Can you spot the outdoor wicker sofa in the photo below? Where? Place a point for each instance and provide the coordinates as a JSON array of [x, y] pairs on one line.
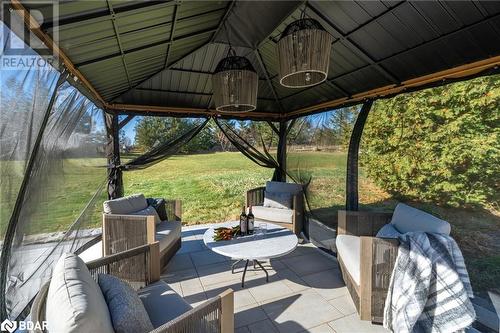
[[166, 309], [126, 226], [367, 260], [290, 217]]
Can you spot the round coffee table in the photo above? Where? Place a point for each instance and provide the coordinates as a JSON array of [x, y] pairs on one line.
[[275, 242]]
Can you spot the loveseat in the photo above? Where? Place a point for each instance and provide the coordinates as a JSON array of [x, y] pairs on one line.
[[367, 248], [76, 300], [132, 221], [279, 203]]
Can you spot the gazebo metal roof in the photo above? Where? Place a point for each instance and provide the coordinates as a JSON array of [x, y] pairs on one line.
[[158, 56]]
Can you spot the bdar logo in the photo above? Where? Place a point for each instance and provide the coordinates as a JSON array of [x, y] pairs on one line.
[[8, 326]]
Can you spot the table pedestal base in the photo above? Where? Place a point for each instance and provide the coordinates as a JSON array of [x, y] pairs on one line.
[[245, 270]]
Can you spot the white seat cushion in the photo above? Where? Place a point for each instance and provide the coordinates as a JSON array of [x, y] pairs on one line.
[[408, 219], [281, 187], [162, 303], [75, 302], [272, 214], [349, 249], [125, 205], [167, 232]]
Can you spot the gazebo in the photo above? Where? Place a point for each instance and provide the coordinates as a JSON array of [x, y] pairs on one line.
[[123, 59]]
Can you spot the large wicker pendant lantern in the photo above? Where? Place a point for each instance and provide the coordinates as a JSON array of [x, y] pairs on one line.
[[304, 53], [235, 84]]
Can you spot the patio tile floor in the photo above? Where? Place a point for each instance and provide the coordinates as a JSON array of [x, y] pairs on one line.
[[305, 292]]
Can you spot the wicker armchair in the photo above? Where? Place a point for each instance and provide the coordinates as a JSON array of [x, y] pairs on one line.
[[377, 259], [255, 197], [136, 266], [125, 231]]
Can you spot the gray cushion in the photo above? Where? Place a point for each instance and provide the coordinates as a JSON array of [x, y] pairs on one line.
[[272, 214], [349, 250], [162, 303], [282, 187], [167, 232], [407, 219], [75, 302], [277, 200], [148, 211], [388, 231], [125, 307], [125, 205]]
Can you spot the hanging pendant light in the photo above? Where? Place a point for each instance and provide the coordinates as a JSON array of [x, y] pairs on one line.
[[235, 84], [304, 53]]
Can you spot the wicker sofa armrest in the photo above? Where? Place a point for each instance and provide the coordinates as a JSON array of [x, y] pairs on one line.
[[214, 315], [378, 256], [174, 209], [298, 212], [255, 197], [139, 266], [358, 223], [123, 232]]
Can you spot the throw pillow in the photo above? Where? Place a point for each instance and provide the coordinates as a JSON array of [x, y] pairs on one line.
[[388, 231], [277, 200], [148, 212], [75, 303], [127, 311], [160, 205]]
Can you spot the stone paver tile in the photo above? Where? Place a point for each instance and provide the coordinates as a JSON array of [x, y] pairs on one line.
[[262, 291], [247, 315], [191, 246], [242, 297], [292, 280], [300, 311], [243, 329], [264, 326], [193, 291], [328, 284], [310, 263], [176, 286], [207, 257], [178, 276], [324, 328], [219, 272], [179, 262], [352, 323], [344, 304]]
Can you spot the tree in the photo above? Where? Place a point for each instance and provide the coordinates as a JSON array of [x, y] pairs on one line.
[[440, 145], [153, 131]]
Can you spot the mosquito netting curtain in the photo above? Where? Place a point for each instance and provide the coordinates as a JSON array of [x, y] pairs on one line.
[[52, 174], [317, 158]]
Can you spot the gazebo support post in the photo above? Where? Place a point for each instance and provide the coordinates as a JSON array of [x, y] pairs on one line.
[[352, 198], [281, 153], [115, 181]]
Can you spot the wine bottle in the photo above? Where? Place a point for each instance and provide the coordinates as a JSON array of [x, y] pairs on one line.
[[243, 222], [250, 219]]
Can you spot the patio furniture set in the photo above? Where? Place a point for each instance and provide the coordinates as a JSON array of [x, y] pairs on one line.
[[141, 235]]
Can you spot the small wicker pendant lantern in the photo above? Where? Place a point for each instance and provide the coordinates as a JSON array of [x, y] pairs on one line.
[[304, 53], [235, 84]]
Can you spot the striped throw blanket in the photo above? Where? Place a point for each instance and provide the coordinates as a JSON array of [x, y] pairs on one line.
[[430, 289]]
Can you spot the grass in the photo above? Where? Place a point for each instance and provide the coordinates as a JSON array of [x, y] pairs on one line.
[[212, 189]]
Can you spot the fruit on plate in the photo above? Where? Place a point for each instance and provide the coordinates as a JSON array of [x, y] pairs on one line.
[[224, 233]]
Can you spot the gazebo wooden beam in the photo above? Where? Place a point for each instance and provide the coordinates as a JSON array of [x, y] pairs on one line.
[[35, 28], [187, 112], [448, 74]]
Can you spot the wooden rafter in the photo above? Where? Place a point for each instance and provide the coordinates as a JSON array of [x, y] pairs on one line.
[[452, 73]]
